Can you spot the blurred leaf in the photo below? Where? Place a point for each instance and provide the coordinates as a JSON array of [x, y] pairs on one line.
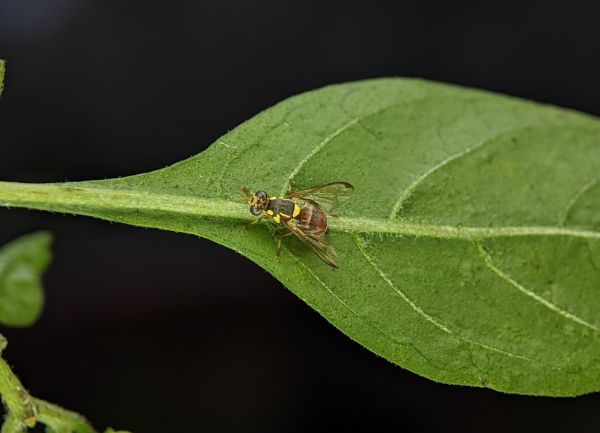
[[2, 70], [22, 263], [470, 252]]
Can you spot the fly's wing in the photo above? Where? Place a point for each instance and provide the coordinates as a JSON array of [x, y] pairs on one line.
[[328, 196], [321, 248], [324, 250]]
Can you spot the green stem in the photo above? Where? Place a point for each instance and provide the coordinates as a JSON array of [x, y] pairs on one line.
[[24, 410], [60, 419], [12, 425], [15, 396]]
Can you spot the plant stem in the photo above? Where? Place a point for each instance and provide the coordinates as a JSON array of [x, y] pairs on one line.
[[60, 419], [16, 398], [24, 410], [12, 425]]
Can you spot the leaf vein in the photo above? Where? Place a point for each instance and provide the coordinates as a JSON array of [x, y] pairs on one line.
[[360, 245], [317, 148], [397, 227], [336, 133], [487, 259], [578, 194], [408, 191], [361, 317], [82, 199]]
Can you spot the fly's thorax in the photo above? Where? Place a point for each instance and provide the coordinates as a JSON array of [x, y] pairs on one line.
[[282, 207], [312, 219]]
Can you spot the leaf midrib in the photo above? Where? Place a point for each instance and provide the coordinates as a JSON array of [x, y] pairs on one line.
[[82, 199]]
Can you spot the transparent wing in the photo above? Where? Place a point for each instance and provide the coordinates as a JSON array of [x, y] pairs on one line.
[[328, 196], [321, 248]]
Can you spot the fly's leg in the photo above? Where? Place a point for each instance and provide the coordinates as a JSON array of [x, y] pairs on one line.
[[248, 225], [279, 242], [290, 185]]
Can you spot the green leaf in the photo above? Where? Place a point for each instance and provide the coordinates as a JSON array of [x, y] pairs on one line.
[[470, 252], [22, 263]]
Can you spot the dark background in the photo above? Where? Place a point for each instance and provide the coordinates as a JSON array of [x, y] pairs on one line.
[[160, 332]]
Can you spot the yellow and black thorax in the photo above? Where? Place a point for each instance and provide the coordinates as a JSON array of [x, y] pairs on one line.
[[282, 209]]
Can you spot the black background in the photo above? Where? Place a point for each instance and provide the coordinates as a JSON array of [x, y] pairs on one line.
[[160, 332]]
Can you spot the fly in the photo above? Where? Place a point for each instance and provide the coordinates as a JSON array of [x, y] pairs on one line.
[[303, 213]]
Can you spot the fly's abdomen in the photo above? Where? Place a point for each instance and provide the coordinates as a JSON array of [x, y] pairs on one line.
[[312, 219]]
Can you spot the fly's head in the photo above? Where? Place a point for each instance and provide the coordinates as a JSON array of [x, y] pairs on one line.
[[259, 201]]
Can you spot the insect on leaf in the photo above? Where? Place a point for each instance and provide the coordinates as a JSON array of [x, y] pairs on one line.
[[470, 249]]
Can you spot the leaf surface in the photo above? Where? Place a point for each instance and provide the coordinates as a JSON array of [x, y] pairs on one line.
[[22, 263], [470, 251]]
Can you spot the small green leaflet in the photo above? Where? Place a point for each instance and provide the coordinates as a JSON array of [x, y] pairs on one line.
[[2, 70], [22, 263], [470, 251]]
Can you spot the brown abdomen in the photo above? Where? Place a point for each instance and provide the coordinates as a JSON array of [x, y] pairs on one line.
[[312, 219]]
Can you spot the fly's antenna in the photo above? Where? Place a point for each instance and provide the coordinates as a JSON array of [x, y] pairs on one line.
[[246, 194]]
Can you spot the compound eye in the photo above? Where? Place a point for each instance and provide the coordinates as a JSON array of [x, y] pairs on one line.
[[255, 211], [261, 195]]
